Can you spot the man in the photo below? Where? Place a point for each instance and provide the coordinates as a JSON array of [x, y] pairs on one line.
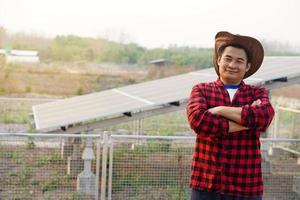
[[227, 116]]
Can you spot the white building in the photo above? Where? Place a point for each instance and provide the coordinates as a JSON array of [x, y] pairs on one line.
[[20, 56]]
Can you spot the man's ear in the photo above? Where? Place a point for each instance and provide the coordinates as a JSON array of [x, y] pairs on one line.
[[219, 60], [248, 66]]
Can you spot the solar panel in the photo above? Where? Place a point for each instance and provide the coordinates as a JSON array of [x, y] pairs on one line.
[[147, 95]]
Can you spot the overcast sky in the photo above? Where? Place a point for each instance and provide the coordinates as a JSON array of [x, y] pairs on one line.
[[155, 23]]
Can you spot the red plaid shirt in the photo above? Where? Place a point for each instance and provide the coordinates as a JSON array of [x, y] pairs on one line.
[[229, 163]]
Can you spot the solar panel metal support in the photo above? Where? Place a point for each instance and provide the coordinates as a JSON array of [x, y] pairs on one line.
[[282, 82], [282, 79], [64, 128], [175, 103], [128, 114]]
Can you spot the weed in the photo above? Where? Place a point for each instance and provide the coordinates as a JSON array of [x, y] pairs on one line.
[[77, 196], [79, 91], [24, 175], [30, 143], [47, 159], [2, 90], [51, 184], [8, 154], [28, 89], [9, 117], [55, 182]]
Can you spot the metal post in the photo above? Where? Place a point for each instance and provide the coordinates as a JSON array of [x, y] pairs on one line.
[[74, 162], [97, 169], [111, 153], [135, 127], [140, 126], [276, 122], [275, 129], [104, 163]]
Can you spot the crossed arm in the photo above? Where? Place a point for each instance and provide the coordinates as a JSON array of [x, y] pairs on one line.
[[222, 119], [233, 114]]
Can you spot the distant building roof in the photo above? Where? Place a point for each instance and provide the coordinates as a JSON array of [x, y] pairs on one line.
[[23, 53], [159, 61], [19, 52], [20, 56]]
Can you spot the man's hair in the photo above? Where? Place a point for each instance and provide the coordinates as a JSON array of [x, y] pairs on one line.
[[222, 48]]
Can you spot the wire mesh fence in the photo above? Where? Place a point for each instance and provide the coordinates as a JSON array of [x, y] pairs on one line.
[[286, 123], [147, 168], [159, 167], [43, 166], [40, 167]]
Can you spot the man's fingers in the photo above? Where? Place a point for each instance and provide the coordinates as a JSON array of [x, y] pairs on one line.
[[257, 102]]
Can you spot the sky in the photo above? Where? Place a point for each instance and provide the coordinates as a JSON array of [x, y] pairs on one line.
[[155, 23]]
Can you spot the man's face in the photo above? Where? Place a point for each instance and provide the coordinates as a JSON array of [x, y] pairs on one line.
[[233, 65]]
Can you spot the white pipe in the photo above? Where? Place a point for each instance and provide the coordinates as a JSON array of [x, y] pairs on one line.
[[104, 163], [111, 152], [97, 170]]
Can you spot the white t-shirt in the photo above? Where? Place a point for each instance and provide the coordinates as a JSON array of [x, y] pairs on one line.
[[231, 90]]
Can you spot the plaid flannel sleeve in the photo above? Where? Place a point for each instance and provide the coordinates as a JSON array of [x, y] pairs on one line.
[[258, 117], [200, 119]]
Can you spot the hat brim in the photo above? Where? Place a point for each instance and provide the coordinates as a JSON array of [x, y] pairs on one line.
[[252, 46]]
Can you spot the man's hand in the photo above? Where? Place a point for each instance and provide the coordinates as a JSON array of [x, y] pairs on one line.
[[235, 127], [233, 114], [256, 102], [215, 110]]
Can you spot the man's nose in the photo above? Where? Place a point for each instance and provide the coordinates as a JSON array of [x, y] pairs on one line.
[[232, 64]]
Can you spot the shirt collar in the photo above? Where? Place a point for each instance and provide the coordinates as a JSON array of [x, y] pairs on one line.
[[234, 87], [220, 83]]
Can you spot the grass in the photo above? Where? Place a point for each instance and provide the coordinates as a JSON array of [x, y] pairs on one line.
[[166, 125], [21, 117], [54, 158], [30, 143], [51, 184], [136, 170], [8, 154], [62, 79], [16, 112], [33, 172], [23, 176]]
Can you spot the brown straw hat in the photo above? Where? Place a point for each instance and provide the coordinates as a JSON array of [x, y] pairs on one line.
[[252, 46]]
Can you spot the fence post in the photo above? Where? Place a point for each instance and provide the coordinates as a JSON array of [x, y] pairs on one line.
[[97, 169], [104, 165], [275, 130], [276, 122], [74, 162], [111, 153]]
